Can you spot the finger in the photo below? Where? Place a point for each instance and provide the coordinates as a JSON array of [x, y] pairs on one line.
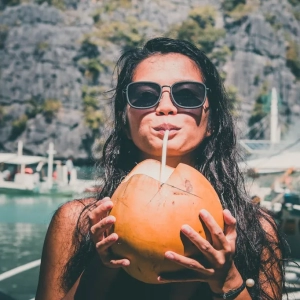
[[106, 256], [103, 245], [187, 263], [202, 244], [119, 263], [99, 230], [229, 219], [98, 202], [184, 275], [105, 199], [167, 279], [217, 235], [101, 211], [230, 227]]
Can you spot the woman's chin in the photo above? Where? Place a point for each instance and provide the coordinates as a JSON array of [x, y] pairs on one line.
[[173, 154]]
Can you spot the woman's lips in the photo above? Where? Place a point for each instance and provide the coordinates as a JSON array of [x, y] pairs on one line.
[[160, 131]]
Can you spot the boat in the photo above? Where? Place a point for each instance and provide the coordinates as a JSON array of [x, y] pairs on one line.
[[36, 175], [279, 193], [272, 177]]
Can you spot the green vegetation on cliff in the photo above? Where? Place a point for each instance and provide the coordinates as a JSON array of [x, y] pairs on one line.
[[294, 2], [293, 58], [129, 33], [2, 114], [56, 3], [18, 126], [50, 108], [3, 34], [260, 111], [234, 100], [200, 29], [5, 3], [237, 9], [230, 5], [93, 116]]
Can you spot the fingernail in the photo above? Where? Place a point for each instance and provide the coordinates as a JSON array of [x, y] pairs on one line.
[[126, 263], [186, 229], [229, 212], [113, 237], [203, 213], [169, 255]]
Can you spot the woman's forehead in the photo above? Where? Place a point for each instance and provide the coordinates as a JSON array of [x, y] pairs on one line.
[[171, 66]]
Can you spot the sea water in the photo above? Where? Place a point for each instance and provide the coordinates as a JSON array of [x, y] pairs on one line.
[[23, 224]]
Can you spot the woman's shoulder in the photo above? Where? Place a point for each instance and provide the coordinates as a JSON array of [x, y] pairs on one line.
[[76, 204], [65, 221], [59, 247], [70, 211], [268, 222]]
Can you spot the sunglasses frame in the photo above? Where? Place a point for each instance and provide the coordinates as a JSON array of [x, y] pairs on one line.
[[171, 93]]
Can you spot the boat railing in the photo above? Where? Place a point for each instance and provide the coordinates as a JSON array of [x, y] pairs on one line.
[[20, 269]]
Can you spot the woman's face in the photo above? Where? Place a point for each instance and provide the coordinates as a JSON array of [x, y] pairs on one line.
[[187, 127]]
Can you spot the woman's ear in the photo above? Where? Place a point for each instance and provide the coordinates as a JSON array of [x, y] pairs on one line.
[[206, 108], [209, 130]]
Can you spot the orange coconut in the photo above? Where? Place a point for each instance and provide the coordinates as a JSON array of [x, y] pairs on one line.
[[149, 216]]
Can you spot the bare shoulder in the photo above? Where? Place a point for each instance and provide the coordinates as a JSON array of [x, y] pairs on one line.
[[59, 247], [65, 219], [67, 215], [271, 271], [269, 225]]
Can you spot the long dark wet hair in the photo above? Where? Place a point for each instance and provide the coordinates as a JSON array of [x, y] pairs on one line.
[[216, 158]]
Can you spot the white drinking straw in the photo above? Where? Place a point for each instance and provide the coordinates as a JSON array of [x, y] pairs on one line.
[[164, 156]]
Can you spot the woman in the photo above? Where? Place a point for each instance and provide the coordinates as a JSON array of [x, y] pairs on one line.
[[182, 92]]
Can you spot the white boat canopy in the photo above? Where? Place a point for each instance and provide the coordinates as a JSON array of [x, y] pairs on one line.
[[15, 159], [6, 156], [272, 164]]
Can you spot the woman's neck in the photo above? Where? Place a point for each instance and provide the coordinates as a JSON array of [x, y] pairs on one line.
[[171, 161]]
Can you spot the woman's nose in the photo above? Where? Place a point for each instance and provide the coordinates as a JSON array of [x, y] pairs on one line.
[[165, 105]]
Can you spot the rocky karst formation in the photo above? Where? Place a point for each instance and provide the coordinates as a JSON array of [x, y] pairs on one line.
[[57, 60]]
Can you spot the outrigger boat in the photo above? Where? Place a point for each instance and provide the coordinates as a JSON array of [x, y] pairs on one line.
[[279, 192], [25, 174], [272, 175]]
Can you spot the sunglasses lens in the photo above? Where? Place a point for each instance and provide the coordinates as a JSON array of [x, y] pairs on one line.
[[143, 94], [189, 94]]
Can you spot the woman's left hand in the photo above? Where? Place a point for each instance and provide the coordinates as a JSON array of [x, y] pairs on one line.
[[218, 267]]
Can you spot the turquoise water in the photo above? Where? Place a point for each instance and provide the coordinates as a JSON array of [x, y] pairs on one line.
[[33, 210], [23, 225]]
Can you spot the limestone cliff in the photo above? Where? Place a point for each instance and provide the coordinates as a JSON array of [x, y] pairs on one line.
[[57, 59]]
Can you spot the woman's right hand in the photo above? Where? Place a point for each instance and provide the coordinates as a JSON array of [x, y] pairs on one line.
[[100, 222]]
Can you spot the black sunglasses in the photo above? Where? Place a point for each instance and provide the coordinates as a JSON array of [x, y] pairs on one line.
[[184, 94]]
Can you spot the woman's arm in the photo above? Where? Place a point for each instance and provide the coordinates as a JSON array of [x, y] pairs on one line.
[[102, 270], [271, 275], [57, 250], [219, 270], [271, 270], [222, 275]]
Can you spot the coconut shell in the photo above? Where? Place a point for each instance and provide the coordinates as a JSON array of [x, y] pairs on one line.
[[149, 216]]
